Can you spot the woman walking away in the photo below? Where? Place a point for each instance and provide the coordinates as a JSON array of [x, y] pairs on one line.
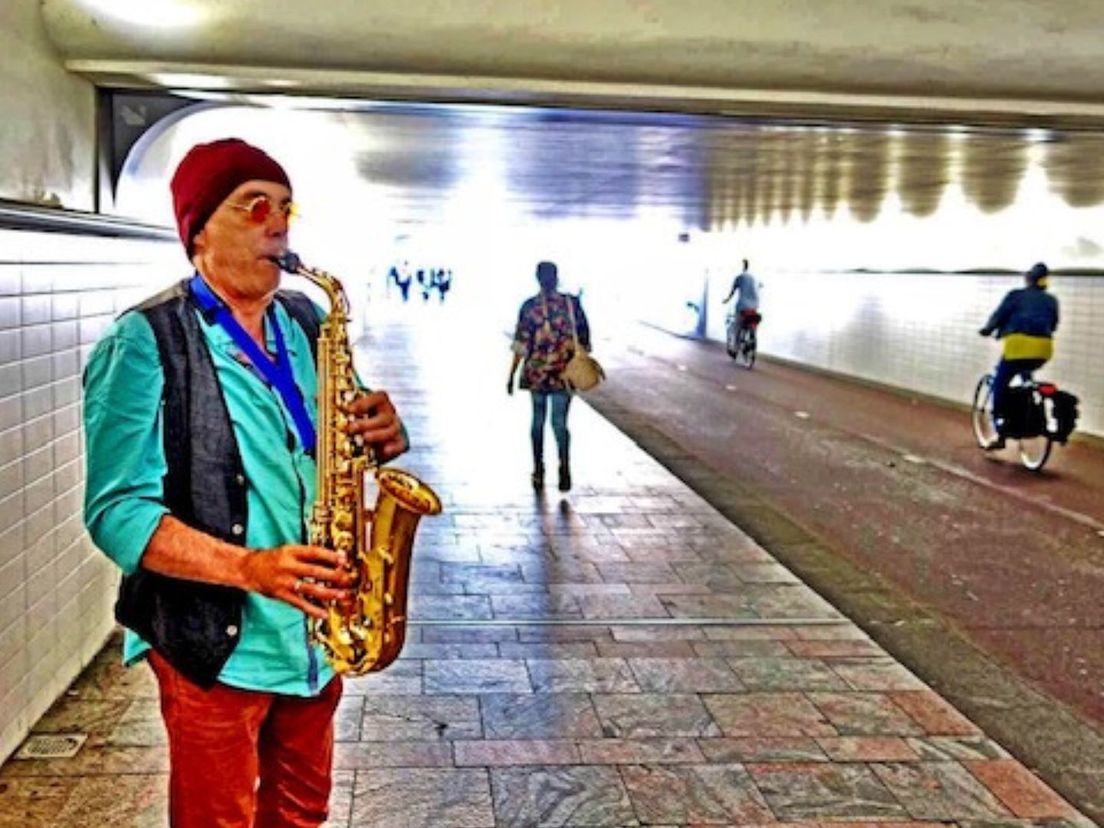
[[543, 341]]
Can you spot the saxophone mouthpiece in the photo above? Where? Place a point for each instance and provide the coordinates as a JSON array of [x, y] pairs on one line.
[[288, 261]]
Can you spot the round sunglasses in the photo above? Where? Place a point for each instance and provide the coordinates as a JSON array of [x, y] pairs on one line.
[[260, 207]]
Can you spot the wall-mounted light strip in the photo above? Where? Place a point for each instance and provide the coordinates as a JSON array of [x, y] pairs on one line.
[[17, 216]]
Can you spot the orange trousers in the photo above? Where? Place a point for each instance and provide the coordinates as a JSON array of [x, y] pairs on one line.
[[244, 759]]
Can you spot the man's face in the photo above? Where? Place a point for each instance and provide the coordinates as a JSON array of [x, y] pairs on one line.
[[235, 246]]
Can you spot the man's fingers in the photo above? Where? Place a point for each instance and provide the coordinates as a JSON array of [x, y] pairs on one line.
[[373, 417], [375, 431], [323, 565], [371, 404], [313, 597], [367, 425], [339, 576], [317, 554], [320, 594], [393, 448], [313, 610], [374, 426]]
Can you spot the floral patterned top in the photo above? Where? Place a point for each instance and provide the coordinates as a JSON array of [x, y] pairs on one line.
[[543, 339]]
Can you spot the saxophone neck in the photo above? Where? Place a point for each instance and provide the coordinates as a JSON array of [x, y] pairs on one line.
[[330, 284]]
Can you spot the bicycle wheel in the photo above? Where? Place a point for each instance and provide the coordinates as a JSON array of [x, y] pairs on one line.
[[732, 341], [745, 348], [750, 347], [1034, 451], [981, 414]]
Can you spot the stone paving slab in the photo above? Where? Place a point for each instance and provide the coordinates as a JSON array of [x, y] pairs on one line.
[[618, 656]]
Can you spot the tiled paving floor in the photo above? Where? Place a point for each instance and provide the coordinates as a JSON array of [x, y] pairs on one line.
[[618, 656]]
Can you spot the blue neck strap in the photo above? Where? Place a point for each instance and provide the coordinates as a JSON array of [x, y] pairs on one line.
[[278, 374]]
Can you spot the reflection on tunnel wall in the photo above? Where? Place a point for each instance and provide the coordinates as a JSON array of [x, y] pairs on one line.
[[758, 174], [923, 170], [1075, 167], [917, 199], [991, 168]]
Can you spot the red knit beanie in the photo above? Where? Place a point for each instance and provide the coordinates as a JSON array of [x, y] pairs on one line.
[[209, 173]]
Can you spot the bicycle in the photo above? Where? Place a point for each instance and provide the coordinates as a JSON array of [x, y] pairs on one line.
[[742, 340], [1037, 415]]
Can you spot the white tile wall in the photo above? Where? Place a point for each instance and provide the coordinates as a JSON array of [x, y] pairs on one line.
[[57, 293], [919, 331]]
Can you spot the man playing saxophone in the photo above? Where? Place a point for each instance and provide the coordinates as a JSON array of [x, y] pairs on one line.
[[199, 417]]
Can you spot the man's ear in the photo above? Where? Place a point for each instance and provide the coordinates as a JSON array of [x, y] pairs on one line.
[[199, 245]]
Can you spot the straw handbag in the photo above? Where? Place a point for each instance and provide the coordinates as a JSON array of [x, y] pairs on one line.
[[582, 371]]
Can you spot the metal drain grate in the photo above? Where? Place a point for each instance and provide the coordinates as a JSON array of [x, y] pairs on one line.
[[51, 746]]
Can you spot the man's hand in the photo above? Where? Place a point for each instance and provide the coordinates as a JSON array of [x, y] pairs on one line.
[[307, 577], [984, 331], [373, 417]]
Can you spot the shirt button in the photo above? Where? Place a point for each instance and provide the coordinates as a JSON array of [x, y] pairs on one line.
[[232, 630], [237, 529], [239, 479]]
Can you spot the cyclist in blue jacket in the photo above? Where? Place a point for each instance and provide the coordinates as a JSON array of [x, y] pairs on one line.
[[1025, 322]]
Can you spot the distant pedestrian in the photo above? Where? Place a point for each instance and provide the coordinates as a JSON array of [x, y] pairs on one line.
[[403, 281], [543, 342], [444, 282], [392, 277]]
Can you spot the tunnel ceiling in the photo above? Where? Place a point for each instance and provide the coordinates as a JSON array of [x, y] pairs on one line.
[[1017, 60], [713, 172], [830, 105], [703, 172]]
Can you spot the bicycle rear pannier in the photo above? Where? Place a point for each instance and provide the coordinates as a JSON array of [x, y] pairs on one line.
[[1065, 415], [1023, 413]]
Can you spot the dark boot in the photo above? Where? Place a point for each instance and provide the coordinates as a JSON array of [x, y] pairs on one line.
[[538, 476], [565, 476]]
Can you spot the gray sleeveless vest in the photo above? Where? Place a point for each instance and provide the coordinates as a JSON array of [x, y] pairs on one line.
[[194, 625]]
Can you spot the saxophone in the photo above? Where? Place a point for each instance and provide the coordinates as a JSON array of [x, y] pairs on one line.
[[367, 633]]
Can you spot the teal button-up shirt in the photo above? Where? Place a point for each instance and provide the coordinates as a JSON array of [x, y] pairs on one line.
[[126, 463]]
